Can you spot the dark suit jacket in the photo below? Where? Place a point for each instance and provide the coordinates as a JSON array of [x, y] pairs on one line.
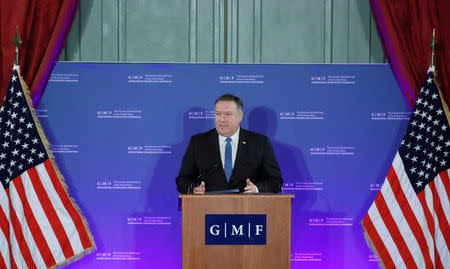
[[255, 160]]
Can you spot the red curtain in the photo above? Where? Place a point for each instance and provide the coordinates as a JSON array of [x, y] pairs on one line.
[[405, 29], [43, 28]]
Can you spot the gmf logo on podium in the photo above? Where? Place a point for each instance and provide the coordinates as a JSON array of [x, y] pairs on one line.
[[235, 229]]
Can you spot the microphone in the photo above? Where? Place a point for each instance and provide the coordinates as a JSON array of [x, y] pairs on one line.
[[202, 177]]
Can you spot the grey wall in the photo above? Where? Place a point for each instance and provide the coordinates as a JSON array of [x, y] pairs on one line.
[[236, 31]]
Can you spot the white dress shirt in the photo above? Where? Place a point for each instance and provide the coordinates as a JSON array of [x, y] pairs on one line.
[[234, 147]]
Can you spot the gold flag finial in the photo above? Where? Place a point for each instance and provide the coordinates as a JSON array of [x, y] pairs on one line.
[[433, 46], [17, 42]]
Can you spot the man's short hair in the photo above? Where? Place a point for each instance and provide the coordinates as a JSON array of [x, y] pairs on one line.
[[230, 97]]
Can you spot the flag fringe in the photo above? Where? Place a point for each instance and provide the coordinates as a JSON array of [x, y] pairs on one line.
[[444, 104], [74, 258], [372, 247], [60, 177]]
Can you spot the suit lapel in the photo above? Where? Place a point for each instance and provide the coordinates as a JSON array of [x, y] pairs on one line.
[[215, 153], [240, 156]]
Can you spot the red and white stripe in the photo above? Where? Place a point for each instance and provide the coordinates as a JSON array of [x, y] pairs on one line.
[[4, 230], [410, 230], [45, 229]]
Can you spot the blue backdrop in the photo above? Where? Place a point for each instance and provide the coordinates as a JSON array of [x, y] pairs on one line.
[[119, 131]]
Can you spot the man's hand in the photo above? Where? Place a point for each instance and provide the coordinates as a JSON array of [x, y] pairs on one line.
[[200, 189], [250, 188]]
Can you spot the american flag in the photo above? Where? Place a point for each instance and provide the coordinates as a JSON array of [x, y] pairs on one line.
[[408, 223], [40, 226]]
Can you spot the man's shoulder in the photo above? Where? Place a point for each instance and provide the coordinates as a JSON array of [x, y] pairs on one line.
[[245, 134], [204, 135], [252, 135]]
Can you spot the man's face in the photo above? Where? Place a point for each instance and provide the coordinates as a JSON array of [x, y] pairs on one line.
[[228, 118]]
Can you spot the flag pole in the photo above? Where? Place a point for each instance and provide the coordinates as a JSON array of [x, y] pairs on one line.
[[17, 42], [433, 45]]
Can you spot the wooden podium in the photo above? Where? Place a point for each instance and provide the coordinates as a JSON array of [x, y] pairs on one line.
[[276, 253]]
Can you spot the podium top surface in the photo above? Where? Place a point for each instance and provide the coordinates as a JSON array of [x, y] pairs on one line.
[[236, 196]]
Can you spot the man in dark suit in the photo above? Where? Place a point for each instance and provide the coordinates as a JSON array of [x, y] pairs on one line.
[[229, 157]]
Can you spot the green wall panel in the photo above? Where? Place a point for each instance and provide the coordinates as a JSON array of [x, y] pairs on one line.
[[235, 31], [293, 31], [340, 31], [376, 50], [91, 30], [359, 31], [110, 31], [157, 29], [72, 48], [207, 31]]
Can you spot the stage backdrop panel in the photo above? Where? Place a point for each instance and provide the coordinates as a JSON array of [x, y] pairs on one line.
[[119, 132]]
